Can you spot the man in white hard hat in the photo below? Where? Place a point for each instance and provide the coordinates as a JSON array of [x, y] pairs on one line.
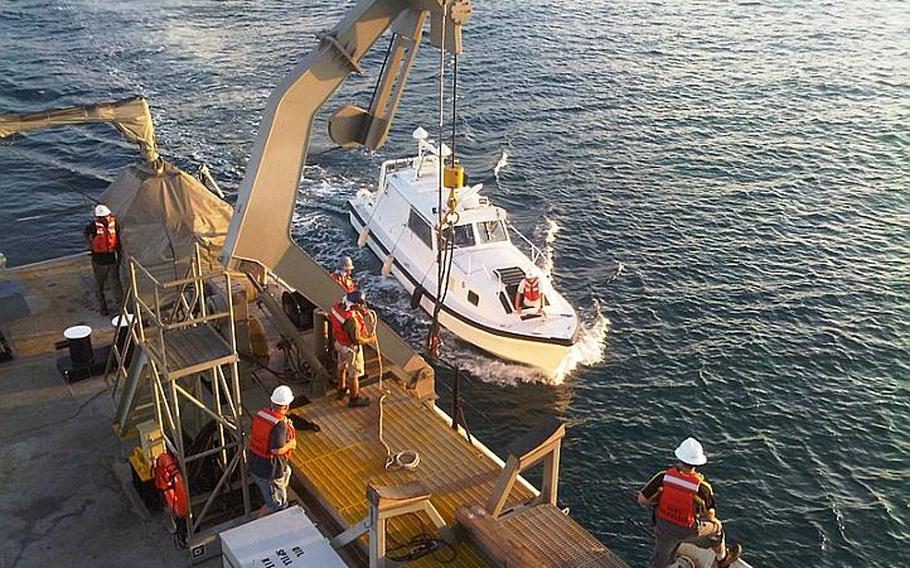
[[104, 243], [272, 438], [344, 275], [684, 509]]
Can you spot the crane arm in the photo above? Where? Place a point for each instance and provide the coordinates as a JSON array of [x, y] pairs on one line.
[[260, 226], [131, 117]]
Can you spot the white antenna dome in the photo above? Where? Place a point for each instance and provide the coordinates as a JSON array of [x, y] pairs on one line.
[[420, 134]]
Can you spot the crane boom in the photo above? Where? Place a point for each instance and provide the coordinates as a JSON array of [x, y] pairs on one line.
[[131, 117], [260, 226]]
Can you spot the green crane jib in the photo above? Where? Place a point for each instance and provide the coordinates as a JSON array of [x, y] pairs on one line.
[[131, 117], [260, 227]]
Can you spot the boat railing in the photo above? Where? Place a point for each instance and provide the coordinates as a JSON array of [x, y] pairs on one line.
[[392, 165], [535, 252]]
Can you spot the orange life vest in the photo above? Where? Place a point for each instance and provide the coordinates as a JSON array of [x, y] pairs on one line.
[[677, 499], [531, 290], [105, 239], [339, 316], [261, 431], [346, 281]]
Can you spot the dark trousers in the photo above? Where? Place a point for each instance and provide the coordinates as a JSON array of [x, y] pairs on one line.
[[103, 273]]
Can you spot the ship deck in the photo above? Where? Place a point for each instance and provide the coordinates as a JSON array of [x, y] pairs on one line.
[[84, 489], [65, 489], [337, 462]]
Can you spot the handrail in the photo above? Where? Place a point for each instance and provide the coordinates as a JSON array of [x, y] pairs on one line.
[[536, 253]]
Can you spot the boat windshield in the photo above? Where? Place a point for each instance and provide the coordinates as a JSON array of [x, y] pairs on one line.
[[464, 236], [492, 231]]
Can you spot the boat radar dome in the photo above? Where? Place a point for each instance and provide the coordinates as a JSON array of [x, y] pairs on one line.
[[691, 452], [420, 134]]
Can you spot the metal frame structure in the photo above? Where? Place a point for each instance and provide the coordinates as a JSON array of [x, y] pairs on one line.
[[178, 339]]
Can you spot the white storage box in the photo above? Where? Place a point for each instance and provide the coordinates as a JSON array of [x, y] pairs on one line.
[[286, 539]]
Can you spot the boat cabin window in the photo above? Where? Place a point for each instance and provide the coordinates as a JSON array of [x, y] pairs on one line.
[[492, 231], [421, 228], [464, 235]]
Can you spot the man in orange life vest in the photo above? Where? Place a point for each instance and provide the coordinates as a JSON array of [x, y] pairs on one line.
[[344, 275], [272, 438], [104, 242], [529, 295], [351, 333], [685, 512]]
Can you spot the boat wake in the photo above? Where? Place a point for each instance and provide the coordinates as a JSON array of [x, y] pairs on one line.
[[549, 238], [589, 350], [501, 163]]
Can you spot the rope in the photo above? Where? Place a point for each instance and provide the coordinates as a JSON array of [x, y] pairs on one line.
[[407, 459], [445, 246]]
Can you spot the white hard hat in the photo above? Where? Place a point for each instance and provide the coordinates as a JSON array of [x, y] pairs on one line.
[[101, 210], [282, 396], [690, 452], [347, 264]]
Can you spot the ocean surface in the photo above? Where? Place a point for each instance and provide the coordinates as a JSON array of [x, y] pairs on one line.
[[724, 188]]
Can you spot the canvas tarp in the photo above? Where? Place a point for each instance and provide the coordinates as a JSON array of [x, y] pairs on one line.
[[162, 214], [130, 116]]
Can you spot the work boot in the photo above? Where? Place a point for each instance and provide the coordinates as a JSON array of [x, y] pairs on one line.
[[733, 554], [342, 392], [359, 401]]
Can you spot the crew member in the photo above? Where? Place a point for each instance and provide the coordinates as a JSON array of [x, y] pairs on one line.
[[272, 438], [529, 296], [351, 332], [684, 502], [104, 242], [344, 275]]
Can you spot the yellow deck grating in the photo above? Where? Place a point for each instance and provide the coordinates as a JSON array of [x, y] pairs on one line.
[[557, 540], [337, 462]]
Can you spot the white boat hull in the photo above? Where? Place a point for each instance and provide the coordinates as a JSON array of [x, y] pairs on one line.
[[536, 352]]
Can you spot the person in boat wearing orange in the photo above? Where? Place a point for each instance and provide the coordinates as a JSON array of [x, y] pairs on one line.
[[104, 243], [685, 509], [344, 275], [352, 328], [272, 438], [529, 295]]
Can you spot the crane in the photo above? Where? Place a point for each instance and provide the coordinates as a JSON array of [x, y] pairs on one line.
[[260, 227], [131, 117]]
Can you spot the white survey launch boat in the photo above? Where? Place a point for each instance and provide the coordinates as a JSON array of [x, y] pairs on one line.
[[399, 223]]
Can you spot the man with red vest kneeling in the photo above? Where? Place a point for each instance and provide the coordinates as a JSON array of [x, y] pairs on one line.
[[685, 510], [529, 295], [272, 438]]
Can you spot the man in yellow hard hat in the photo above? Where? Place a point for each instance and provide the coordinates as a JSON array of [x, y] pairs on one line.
[[685, 509]]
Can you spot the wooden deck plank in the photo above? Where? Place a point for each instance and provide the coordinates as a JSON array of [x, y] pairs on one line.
[[338, 461]]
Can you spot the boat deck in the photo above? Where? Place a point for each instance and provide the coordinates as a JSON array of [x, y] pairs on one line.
[[337, 462]]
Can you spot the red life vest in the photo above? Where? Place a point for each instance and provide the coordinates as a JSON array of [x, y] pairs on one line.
[[105, 239], [346, 281], [677, 500], [531, 290], [261, 431], [339, 316]]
